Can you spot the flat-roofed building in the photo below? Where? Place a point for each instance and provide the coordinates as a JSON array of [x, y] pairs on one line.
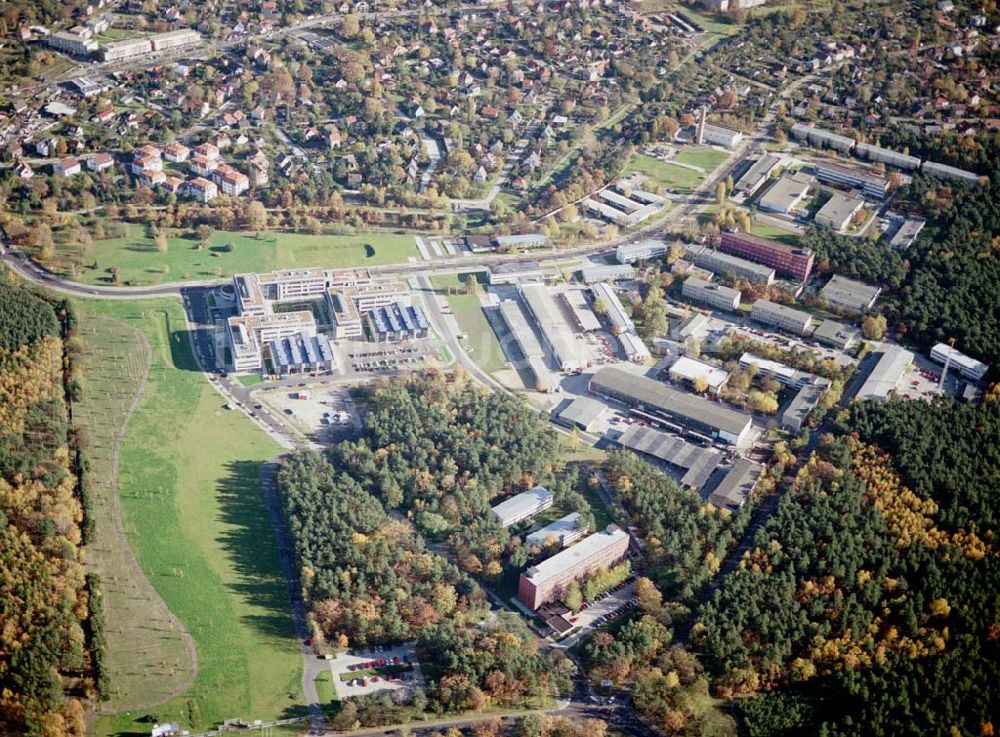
[[784, 259], [131, 48], [248, 334], [838, 212], [794, 417], [170, 40], [943, 171], [523, 506], [718, 135], [785, 194], [511, 272], [686, 411], [736, 486], [521, 242], [548, 580], [967, 366], [835, 334], [528, 344], [691, 371], [890, 365], [821, 137], [614, 310], [850, 295], [582, 312], [907, 233], [781, 316], [72, 43], [724, 264], [348, 299], [758, 173], [397, 321], [582, 413], [556, 333], [696, 462], [887, 156], [606, 272], [301, 354], [871, 185], [628, 253], [564, 531], [633, 348], [714, 295]]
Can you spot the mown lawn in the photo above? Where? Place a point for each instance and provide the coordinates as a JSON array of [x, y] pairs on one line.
[[227, 253], [675, 178], [193, 511], [703, 156]]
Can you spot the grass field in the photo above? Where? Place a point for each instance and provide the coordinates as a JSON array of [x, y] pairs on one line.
[[328, 700], [675, 178], [138, 261], [703, 156], [481, 342], [147, 657], [192, 509]]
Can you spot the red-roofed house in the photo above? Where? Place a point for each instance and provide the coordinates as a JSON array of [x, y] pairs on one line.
[[202, 189], [100, 162], [66, 167]]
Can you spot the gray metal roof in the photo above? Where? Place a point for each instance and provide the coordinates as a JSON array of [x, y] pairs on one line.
[[886, 373], [697, 462], [657, 395], [583, 411], [732, 491], [850, 293]]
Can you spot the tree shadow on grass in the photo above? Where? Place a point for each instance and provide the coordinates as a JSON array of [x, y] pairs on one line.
[[251, 544]]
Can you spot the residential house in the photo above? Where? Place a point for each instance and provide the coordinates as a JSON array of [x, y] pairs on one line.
[[66, 167], [100, 162], [202, 189]]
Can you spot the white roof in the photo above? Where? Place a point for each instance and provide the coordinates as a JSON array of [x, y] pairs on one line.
[[521, 503], [692, 370], [570, 557], [560, 528]]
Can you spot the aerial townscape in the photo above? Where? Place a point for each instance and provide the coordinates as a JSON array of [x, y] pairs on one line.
[[500, 368]]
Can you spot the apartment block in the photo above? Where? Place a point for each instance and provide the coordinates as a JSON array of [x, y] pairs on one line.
[[784, 259]]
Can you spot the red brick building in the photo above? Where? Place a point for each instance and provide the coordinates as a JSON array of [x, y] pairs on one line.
[[787, 260], [548, 580]]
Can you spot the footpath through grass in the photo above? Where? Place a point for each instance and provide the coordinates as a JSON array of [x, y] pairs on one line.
[[138, 262], [148, 657], [193, 512]]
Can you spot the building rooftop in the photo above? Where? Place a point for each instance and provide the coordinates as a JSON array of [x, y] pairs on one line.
[[770, 244], [696, 461], [835, 333], [583, 550], [785, 193], [720, 262], [892, 363], [691, 369], [583, 411], [516, 267], [736, 485], [560, 528], [764, 307], [839, 208], [849, 293], [519, 504], [656, 395]]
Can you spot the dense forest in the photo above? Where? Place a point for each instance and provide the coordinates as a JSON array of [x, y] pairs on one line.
[[868, 603], [685, 538], [45, 599], [434, 453]]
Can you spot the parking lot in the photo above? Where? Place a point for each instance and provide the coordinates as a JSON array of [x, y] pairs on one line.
[[597, 613], [324, 414], [366, 358], [370, 670]]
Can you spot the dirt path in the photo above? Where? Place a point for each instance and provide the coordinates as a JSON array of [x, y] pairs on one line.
[[151, 656]]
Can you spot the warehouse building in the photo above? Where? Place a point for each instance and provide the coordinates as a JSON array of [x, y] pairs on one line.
[[527, 343], [301, 354], [821, 137], [515, 271], [726, 265], [892, 362], [695, 462], [565, 531], [835, 334], [606, 272], [714, 295], [781, 316], [850, 295], [628, 253], [548, 580], [682, 410], [838, 212], [621, 324], [555, 332], [871, 185], [396, 321], [785, 194], [581, 310], [633, 348], [583, 413], [784, 259], [943, 171], [736, 486], [691, 371], [522, 506], [755, 177], [717, 135], [967, 366]]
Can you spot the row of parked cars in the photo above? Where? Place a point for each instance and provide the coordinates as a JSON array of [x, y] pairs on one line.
[[379, 663], [608, 593]]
